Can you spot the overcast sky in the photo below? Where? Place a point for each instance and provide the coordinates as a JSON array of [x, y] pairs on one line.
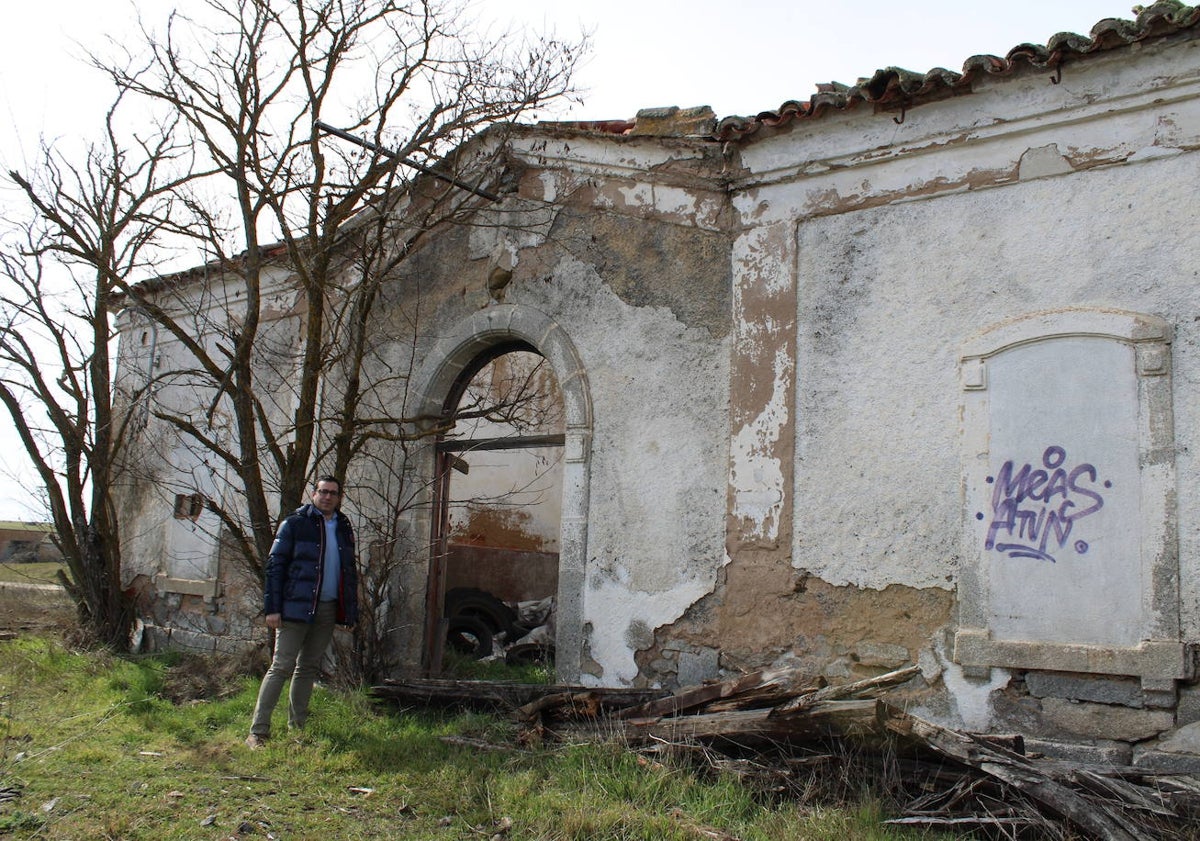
[[738, 57]]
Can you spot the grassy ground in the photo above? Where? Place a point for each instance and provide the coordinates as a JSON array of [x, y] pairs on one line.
[[101, 747], [39, 573], [43, 611]]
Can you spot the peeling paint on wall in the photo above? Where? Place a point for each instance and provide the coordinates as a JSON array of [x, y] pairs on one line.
[[763, 385], [765, 361], [623, 621], [756, 471]]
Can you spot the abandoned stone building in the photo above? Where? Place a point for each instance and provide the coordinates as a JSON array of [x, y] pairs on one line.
[[27, 543], [906, 372]]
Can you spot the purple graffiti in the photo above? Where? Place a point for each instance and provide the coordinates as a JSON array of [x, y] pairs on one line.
[[1034, 509]]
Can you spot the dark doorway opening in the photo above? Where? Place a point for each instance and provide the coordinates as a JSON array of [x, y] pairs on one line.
[[497, 511]]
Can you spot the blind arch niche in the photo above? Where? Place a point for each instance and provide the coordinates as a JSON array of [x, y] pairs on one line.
[[1071, 560]]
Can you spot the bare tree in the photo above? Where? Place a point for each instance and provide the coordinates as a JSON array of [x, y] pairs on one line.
[[90, 226], [299, 229], [250, 80], [293, 228]]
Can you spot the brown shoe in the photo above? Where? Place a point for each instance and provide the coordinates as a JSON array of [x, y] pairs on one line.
[[255, 742]]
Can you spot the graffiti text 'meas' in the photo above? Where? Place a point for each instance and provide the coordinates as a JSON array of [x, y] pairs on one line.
[[1035, 509]]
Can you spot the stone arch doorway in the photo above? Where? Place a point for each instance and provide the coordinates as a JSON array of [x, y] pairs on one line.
[[498, 495], [484, 345]]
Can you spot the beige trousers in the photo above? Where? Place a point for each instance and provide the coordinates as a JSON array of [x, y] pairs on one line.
[[299, 649]]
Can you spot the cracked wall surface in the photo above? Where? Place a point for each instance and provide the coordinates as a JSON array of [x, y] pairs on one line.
[[907, 242], [768, 350], [642, 291]]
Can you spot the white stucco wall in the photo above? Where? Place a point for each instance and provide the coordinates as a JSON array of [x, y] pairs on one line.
[[887, 297], [912, 238], [657, 498], [815, 425]]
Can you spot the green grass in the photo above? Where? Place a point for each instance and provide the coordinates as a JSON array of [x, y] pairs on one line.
[[462, 667], [91, 748], [38, 573]]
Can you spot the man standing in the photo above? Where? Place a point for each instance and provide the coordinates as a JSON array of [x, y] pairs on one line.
[[311, 585]]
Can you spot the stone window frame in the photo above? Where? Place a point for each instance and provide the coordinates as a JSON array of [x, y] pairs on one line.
[[1162, 657]]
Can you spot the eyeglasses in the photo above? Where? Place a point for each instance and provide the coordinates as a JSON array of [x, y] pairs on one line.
[[324, 492]]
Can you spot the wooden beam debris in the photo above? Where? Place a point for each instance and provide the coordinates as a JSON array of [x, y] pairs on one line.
[[484, 694], [787, 727], [749, 691], [1106, 809], [869, 688]]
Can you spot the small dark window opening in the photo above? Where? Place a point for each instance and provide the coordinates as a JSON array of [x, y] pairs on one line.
[[189, 506]]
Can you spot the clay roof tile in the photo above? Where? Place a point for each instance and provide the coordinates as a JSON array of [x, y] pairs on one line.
[[896, 87]]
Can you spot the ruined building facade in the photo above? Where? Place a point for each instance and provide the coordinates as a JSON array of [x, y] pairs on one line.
[[904, 373]]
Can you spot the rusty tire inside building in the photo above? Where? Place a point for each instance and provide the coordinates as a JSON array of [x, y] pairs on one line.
[[469, 635], [483, 606]]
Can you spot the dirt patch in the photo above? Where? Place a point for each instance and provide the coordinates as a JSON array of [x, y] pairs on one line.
[[35, 608], [206, 677]]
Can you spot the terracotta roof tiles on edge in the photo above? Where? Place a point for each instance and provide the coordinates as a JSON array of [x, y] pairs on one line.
[[898, 88]]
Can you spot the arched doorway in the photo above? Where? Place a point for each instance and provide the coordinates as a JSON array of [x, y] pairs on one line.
[[498, 508], [493, 331]]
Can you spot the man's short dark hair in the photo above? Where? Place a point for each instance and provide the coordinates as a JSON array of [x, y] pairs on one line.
[[328, 478]]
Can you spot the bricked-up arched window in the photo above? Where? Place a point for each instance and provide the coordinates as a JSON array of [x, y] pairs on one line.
[[1069, 529]]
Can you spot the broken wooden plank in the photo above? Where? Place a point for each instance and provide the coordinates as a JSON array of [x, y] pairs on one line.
[[749, 689], [497, 695], [980, 821], [766, 696], [575, 704], [1129, 794], [741, 725], [870, 687], [1091, 814]]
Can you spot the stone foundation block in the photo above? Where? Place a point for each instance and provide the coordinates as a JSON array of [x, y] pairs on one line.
[[1184, 739], [1175, 763], [695, 667], [1188, 709], [662, 666], [883, 654], [156, 638], [1106, 721], [1076, 687], [191, 641], [840, 668]]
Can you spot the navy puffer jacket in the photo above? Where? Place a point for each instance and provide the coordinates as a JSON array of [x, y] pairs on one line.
[[296, 567]]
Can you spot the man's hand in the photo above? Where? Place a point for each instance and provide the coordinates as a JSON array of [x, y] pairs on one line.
[[274, 620]]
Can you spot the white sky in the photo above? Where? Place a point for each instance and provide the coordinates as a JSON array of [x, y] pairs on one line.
[[738, 57]]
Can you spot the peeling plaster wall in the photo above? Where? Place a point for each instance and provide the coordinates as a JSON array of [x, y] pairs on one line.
[[762, 343], [191, 586], [884, 310], [907, 240], [655, 536], [763, 385], [635, 272]]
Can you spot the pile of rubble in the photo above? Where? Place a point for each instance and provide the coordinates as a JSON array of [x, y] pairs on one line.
[[773, 727]]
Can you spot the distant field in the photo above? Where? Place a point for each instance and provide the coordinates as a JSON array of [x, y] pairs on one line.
[[24, 609], [43, 573]]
